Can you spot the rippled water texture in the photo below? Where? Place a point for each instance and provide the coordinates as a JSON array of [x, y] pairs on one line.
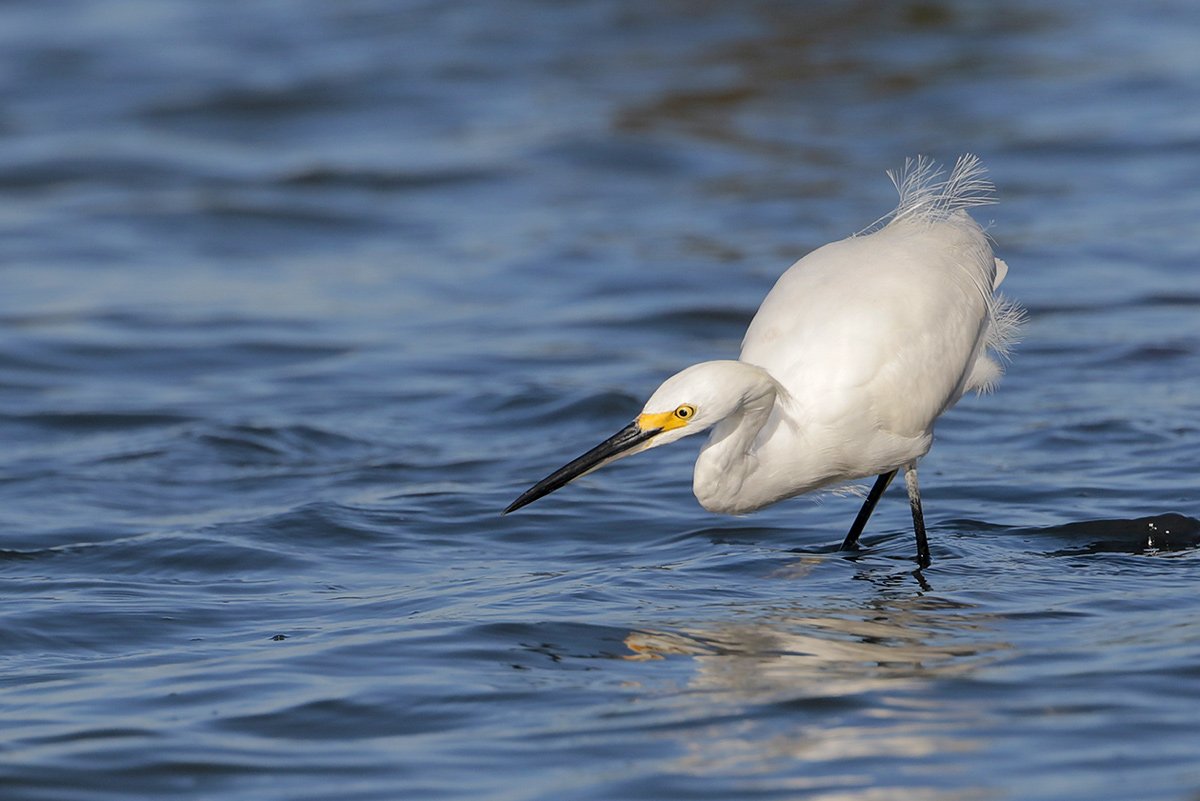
[[296, 297]]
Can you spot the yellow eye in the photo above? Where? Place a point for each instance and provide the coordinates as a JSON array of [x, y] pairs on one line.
[[685, 412]]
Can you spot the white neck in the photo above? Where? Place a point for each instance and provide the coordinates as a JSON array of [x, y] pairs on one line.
[[728, 459]]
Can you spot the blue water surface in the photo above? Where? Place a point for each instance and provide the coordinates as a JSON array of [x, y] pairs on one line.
[[295, 297]]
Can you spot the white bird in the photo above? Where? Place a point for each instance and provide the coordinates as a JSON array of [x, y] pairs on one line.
[[857, 350]]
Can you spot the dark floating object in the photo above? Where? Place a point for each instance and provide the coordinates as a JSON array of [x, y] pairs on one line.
[[1165, 532]]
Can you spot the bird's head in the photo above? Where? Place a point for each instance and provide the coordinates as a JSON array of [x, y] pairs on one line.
[[687, 403]]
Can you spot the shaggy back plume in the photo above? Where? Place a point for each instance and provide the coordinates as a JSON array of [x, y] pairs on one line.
[[923, 196]]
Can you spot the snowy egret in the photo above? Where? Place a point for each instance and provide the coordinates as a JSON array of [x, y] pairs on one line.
[[851, 358]]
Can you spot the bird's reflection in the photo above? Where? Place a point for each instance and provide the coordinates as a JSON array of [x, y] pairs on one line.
[[847, 650], [829, 686]]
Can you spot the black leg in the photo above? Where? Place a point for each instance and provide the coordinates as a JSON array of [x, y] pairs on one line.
[[914, 500], [864, 514]]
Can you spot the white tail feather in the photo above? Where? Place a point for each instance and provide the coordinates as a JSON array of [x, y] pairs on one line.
[[1004, 328]]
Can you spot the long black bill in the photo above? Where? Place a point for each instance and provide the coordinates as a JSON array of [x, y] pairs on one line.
[[625, 442]]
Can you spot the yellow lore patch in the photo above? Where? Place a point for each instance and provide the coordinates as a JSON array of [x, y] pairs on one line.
[[666, 420]]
